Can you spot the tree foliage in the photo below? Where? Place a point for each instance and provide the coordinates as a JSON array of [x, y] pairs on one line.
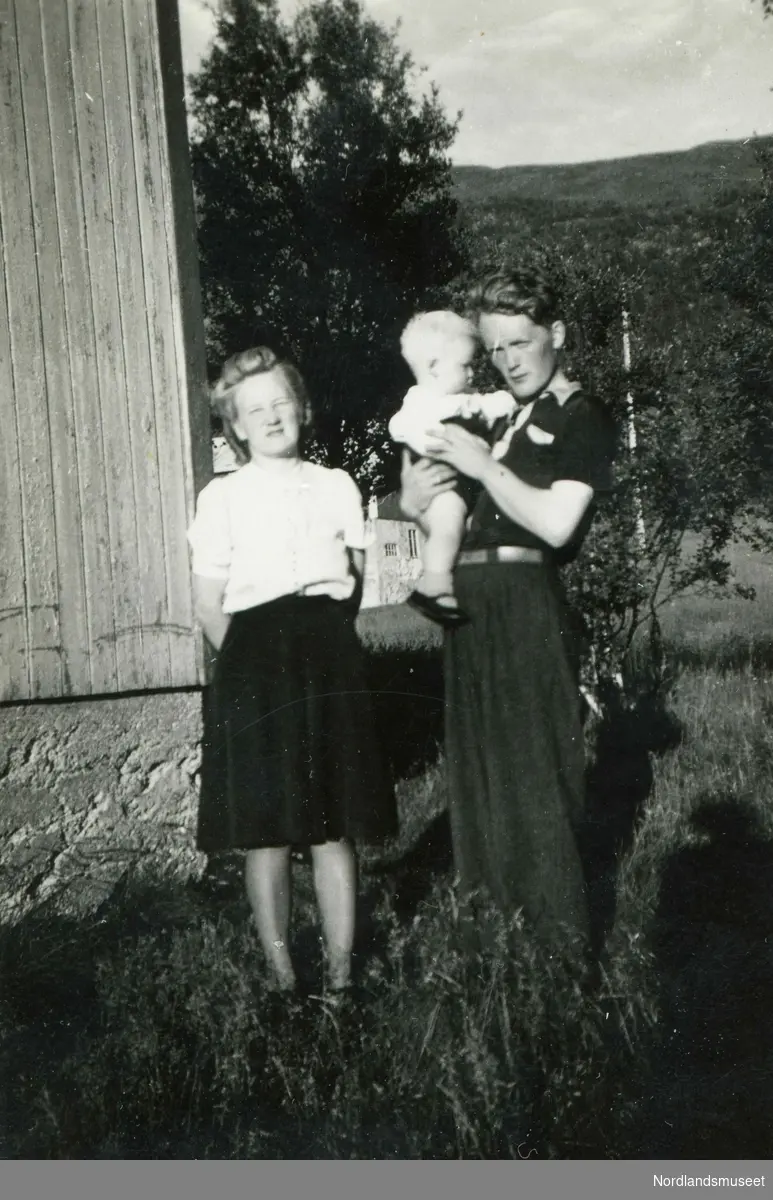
[[690, 479], [325, 208], [743, 275]]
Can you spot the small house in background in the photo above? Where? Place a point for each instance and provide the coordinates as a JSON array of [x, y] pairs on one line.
[[393, 557]]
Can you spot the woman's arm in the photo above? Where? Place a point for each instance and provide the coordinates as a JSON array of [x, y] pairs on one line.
[[208, 608], [357, 560], [553, 514], [357, 568]]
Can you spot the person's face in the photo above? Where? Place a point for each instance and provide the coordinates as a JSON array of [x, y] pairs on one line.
[[269, 416], [525, 354], [452, 371]]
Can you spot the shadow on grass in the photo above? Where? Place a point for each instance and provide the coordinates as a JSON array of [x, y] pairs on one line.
[[619, 780], [49, 997], [63, 989], [712, 1090], [141, 1033], [411, 877], [48, 959]]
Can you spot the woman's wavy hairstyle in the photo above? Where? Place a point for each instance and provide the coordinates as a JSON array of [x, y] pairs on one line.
[[260, 360], [516, 291]]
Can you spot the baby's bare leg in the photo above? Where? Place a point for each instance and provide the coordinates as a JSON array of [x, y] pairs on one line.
[[445, 520]]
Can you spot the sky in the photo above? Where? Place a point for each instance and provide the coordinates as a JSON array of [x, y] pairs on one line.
[[540, 81]]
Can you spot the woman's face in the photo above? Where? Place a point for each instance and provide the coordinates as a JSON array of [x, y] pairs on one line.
[[524, 353], [269, 416]]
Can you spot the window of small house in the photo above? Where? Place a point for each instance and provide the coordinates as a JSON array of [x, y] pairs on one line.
[[413, 543], [390, 549]]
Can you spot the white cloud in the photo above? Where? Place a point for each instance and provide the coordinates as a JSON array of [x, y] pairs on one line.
[[197, 27], [551, 81]]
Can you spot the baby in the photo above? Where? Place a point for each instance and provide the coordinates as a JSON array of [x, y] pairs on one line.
[[439, 347]]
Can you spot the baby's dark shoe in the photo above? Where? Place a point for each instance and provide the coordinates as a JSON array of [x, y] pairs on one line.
[[449, 615]]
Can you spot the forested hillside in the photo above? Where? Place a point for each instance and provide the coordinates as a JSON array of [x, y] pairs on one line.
[[704, 178], [674, 225]]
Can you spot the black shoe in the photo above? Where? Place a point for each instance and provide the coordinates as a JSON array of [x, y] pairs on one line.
[[444, 614]]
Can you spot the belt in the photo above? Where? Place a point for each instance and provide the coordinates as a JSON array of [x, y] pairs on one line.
[[501, 554]]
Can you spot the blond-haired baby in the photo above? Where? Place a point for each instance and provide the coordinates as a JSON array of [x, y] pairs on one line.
[[440, 348]]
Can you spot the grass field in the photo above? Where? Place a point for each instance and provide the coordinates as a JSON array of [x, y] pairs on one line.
[[147, 1031], [724, 631]]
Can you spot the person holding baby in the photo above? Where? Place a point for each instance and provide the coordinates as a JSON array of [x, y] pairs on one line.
[[513, 734]]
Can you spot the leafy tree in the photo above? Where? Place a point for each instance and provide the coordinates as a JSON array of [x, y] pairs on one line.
[[325, 208], [743, 275]]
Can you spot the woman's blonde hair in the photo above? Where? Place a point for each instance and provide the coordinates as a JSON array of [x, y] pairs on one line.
[[260, 360]]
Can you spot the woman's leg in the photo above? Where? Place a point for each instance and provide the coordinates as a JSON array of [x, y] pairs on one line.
[[335, 883], [267, 874]]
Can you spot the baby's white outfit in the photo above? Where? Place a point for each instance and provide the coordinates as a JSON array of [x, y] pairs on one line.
[[423, 410]]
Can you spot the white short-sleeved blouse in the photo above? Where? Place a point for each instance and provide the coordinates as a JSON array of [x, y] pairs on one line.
[[268, 534]]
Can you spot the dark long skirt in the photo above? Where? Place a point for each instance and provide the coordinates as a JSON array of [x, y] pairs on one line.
[[514, 745], [290, 753]]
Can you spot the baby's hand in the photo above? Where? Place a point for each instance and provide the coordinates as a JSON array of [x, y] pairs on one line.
[[496, 405], [460, 449], [466, 405]]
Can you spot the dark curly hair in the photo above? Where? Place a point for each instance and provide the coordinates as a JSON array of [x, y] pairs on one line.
[[521, 290]]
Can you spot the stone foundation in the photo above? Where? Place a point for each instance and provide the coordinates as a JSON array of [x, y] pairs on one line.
[[92, 790]]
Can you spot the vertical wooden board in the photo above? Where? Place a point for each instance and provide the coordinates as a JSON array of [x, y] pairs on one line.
[[182, 211], [14, 650], [162, 290], [189, 317], [111, 367], [26, 352], [81, 348], [137, 334], [73, 622]]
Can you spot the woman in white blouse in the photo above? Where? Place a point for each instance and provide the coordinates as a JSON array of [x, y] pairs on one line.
[[290, 756]]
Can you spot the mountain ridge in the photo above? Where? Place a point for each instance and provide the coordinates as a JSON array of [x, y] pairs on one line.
[[712, 173]]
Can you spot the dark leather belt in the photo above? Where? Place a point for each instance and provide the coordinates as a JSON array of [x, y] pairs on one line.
[[501, 554]]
